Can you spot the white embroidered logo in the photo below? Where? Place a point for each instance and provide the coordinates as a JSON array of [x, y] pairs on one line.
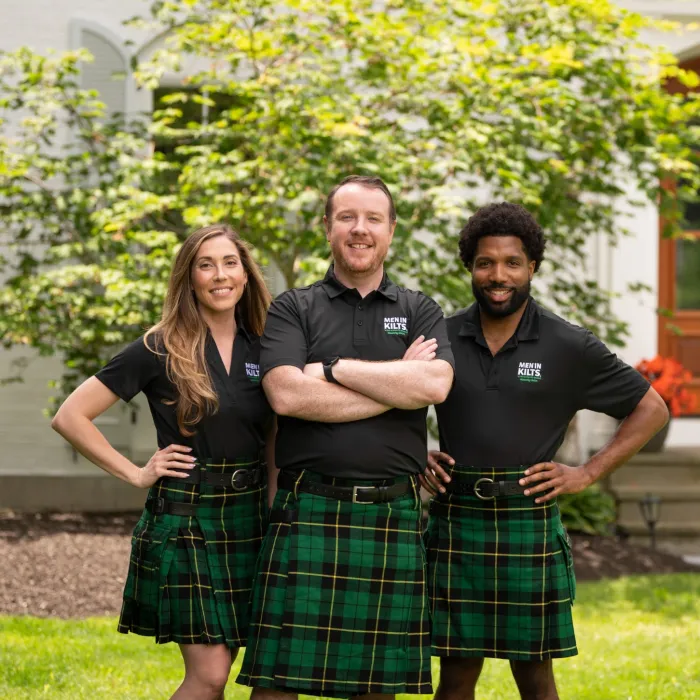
[[252, 371], [396, 325], [530, 371]]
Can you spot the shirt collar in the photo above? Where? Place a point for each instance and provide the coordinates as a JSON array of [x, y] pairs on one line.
[[240, 330], [334, 287], [528, 328], [471, 325]]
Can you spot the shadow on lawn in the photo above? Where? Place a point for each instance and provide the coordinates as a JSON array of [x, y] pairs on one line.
[[672, 596]]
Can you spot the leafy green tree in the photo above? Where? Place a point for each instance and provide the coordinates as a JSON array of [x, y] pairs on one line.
[[74, 283], [553, 104], [556, 104]]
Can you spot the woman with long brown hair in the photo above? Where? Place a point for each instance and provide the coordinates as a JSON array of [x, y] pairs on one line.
[[194, 549]]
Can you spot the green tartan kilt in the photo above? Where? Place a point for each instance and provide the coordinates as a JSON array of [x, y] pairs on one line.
[[190, 578], [500, 575], [340, 604]]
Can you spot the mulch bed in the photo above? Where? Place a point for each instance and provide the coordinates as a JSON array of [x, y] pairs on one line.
[[74, 565]]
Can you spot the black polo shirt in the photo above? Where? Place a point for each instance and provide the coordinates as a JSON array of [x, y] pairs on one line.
[[238, 429], [327, 319], [514, 408]]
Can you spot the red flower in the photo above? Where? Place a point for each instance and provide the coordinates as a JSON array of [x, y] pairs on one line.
[[669, 378]]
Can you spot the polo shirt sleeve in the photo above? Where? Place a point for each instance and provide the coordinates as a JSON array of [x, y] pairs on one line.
[[284, 341], [429, 321], [609, 385], [131, 371]]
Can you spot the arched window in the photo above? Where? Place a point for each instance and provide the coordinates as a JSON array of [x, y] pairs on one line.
[[107, 73]]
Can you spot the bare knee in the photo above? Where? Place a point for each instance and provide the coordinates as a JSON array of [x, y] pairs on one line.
[[458, 678], [208, 682], [535, 680], [207, 669]]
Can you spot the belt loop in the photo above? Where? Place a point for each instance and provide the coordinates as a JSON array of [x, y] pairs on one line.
[[416, 492], [296, 484]]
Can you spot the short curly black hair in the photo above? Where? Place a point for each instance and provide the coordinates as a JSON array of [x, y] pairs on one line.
[[502, 219]]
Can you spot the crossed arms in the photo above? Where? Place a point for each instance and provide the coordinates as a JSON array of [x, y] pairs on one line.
[[368, 388]]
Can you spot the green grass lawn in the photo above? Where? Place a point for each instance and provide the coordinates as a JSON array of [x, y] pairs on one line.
[[639, 639]]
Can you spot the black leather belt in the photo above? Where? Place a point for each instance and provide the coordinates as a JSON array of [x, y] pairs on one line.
[[159, 506], [355, 494], [485, 488], [239, 480], [282, 516]]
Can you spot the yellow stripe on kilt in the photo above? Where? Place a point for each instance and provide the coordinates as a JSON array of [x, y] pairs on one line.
[[352, 527], [346, 578], [493, 554], [502, 651], [315, 680], [350, 629], [500, 602]]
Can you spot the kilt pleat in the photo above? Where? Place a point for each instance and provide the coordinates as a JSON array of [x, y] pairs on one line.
[[190, 578], [500, 575], [340, 602]]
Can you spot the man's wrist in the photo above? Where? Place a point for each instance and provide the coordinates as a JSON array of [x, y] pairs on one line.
[[329, 364], [589, 474]]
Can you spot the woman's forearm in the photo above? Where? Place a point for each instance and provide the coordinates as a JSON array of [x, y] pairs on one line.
[[86, 438]]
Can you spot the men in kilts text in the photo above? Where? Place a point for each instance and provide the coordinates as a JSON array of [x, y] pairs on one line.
[[500, 569], [350, 363]]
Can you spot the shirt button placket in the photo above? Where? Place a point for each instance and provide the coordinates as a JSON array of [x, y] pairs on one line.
[[360, 327], [492, 379]]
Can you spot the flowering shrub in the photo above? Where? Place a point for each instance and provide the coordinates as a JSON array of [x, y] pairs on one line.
[[669, 378]]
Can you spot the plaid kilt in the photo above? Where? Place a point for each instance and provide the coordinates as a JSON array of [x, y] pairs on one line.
[[500, 575], [340, 604], [190, 578]]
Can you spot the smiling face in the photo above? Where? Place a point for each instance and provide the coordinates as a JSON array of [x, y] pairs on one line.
[[501, 275], [218, 277], [360, 230]]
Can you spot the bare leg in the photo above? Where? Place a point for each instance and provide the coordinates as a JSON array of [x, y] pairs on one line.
[[268, 694], [207, 667], [458, 678], [535, 679]]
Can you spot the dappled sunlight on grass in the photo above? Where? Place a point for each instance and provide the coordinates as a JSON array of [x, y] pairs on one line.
[[639, 639], [671, 596]]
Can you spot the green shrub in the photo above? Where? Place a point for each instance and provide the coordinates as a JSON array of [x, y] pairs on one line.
[[592, 511]]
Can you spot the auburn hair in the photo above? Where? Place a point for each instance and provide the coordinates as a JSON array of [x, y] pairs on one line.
[[181, 333]]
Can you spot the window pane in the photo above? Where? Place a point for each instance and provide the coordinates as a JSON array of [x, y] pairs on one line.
[[106, 73], [688, 274], [191, 111], [691, 219]]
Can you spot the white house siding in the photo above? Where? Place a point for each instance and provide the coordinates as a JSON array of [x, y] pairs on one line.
[[28, 443], [635, 258]]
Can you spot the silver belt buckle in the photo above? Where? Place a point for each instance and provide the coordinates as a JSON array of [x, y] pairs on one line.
[[476, 489], [233, 480], [355, 489]]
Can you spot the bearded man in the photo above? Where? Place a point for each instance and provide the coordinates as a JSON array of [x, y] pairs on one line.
[[349, 364], [500, 566]]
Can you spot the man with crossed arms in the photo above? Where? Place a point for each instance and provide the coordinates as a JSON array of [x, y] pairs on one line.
[[340, 605]]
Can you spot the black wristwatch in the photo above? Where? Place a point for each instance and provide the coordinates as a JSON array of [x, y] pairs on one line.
[[328, 369]]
